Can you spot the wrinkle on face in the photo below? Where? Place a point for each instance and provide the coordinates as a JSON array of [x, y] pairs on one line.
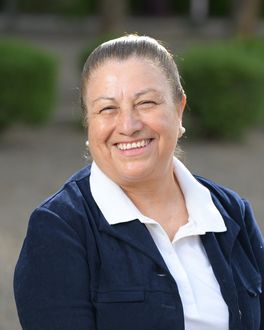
[[131, 101]]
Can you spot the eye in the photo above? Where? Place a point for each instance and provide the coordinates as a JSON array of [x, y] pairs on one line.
[[146, 104], [107, 110]]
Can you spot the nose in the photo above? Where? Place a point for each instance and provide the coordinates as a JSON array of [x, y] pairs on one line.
[[128, 122]]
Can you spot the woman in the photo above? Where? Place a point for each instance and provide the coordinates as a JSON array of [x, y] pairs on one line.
[[134, 241]]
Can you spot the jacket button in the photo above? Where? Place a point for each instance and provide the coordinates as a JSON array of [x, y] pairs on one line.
[[161, 274]]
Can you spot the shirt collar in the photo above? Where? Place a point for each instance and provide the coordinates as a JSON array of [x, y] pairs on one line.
[[117, 207]]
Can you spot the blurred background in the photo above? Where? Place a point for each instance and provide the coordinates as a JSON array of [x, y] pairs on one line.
[[219, 48]]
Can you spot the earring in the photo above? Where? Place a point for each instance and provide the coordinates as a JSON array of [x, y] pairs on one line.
[[181, 131], [87, 154]]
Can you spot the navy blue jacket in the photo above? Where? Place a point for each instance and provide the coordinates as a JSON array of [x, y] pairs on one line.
[[77, 272]]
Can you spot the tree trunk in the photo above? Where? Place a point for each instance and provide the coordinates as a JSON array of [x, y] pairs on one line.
[[245, 15], [113, 15], [199, 10]]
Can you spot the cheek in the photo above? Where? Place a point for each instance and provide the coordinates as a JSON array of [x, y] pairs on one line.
[[99, 131], [167, 123]]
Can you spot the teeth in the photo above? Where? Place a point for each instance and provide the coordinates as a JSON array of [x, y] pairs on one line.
[[133, 145]]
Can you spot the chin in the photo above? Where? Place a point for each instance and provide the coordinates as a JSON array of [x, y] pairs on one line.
[[135, 175]]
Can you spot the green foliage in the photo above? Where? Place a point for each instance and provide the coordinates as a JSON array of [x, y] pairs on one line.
[[27, 83], [253, 48], [224, 87]]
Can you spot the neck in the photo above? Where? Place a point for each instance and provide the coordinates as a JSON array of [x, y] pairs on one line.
[[161, 200], [154, 193]]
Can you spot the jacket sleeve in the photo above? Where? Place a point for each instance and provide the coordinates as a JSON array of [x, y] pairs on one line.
[[51, 281], [257, 243]]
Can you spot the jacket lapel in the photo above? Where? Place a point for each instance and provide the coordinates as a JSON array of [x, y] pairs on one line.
[[135, 234], [219, 248]]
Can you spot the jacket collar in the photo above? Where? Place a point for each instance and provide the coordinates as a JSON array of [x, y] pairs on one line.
[[227, 239]]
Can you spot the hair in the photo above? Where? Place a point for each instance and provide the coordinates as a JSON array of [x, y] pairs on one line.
[[129, 46]]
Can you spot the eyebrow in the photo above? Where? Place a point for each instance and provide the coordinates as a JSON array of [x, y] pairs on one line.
[[137, 95], [145, 91], [103, 98]]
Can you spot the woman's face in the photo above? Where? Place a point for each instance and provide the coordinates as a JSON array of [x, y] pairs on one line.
[[133, 120]]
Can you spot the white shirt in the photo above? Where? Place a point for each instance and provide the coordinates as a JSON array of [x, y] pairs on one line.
[[185, 257]]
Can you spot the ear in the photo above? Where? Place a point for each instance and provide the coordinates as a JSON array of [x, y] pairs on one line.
[[181, 106]]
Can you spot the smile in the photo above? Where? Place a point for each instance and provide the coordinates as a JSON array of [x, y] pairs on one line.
[[133, 145]]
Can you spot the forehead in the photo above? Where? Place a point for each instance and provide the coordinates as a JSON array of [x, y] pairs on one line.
[[132, 70]]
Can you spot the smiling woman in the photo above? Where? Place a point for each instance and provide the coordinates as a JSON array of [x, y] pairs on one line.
[[133, 130], [134, 240]]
